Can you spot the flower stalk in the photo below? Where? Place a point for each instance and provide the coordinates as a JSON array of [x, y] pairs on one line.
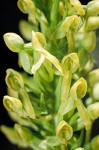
[[53, 99]]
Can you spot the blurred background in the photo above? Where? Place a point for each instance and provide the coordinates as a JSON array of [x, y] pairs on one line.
[[9, 18]]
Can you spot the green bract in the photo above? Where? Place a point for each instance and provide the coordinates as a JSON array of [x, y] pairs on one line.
[[53, 100]]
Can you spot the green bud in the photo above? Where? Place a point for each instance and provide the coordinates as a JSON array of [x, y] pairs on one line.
[[61, 8], [64, 132], [13, 104], [23, 134], [78, 7], [36, 42], [26, 6], [26, 29], [70, 63], [26, 138], [93, 8], [14, 42], [89, 41], [79, 148], [79, 89], [93, 110], [92, 23], [96, 91], [89, 65], [14, 80], [9, 133], [89, 101], [41, 38], [71, 22], [95, 143], [93, 77]]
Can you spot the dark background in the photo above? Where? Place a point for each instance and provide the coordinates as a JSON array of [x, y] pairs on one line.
[[9, 18]]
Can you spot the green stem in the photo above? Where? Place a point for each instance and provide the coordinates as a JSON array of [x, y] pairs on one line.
[[63, 147], [70, 39], [28, 48], [83, 114], [73, 118], [88, 134], [65, 87], [64, 92]]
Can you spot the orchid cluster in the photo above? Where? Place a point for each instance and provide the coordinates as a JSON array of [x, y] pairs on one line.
[[54, 98]]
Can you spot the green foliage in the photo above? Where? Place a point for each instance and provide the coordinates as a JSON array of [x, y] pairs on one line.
[[46, 97]]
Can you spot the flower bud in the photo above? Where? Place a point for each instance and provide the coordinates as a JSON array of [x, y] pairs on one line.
[[89, 41], [95, 143], [78, 7], [38, 47], [23, 134], [78, 90], [41, 38], [93, 110], [79, 148], [71, 22], [26, 29], [93, 77], [14, 80], [96, 91], [61, 8], [9, 133], [64, 132], [13, 104], [93, 8], [89, 66], [14, 42], [70, 62], [26, 6], [92, 23]]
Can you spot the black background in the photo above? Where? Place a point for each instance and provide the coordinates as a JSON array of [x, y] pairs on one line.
[[9, 18]]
